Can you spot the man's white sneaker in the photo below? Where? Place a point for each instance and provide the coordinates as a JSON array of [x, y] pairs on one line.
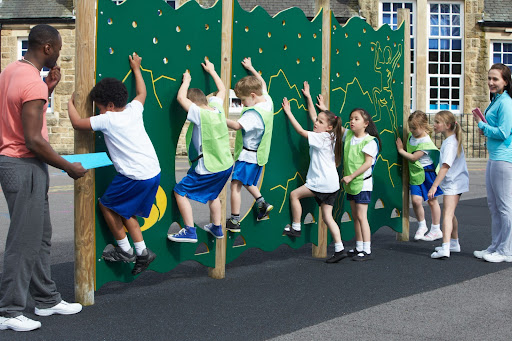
[[441, 254], [63, 308], [433, 235], [19, 323], [420, 233], [452, 248], [480, 254], [496, 258]]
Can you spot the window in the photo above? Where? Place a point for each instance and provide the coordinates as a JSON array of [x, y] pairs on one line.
[[502, 53], [22, 49], [445, 57], [388, 16]]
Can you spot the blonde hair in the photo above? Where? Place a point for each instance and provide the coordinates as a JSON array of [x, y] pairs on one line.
[[419, 119], [449, 119], [197, 96], [247, 85]]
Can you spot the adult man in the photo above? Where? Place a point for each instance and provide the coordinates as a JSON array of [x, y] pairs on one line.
[[24, 155]]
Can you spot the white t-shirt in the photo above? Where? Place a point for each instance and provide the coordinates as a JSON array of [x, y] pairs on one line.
[[194, 116], [425, 160], [371, 149], [253, 129], [456, 180], [129, 146], [322, 174]]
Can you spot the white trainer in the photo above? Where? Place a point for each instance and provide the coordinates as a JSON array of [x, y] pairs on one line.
[[480, 254], [496, 258], [452, 248], [63, 308], [19, 323], [420, 233], [433, 235], [441, 254]]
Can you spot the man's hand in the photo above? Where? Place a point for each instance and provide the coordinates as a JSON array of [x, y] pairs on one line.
[[53, 79], [75, 170]]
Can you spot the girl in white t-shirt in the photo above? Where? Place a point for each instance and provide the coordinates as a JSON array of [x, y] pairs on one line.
[[453, 178], [322, 181], [361, 146]]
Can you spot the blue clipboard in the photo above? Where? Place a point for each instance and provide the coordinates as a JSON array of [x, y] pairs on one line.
[[91, 160]]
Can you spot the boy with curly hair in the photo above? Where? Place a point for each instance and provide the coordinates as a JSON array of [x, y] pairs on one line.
[[133, 190]]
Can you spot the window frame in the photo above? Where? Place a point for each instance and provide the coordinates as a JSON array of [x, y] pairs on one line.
[[492, 52]]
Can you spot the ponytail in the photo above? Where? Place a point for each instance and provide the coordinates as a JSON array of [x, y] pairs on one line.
[[449, 119]]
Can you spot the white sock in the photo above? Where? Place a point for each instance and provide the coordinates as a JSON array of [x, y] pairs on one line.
[[139, 247], [296, 226], [359, 245], [446, 247], [454, 242], [422, 224], [367, 247], [338, 247], [434, 228], [124, 244]]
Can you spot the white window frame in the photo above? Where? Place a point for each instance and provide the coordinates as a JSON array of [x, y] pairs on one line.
[[449, 75], [491, 60], [43, 73], [413, 36]]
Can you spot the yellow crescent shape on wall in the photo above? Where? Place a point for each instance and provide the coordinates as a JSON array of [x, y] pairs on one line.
[[157, 211]]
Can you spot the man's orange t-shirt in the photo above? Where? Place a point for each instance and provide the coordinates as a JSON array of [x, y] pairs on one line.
[[20, 82]]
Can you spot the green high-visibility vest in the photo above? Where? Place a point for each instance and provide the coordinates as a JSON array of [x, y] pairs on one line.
[[264, 147], [353, 159], [214, 138], [416, 171]]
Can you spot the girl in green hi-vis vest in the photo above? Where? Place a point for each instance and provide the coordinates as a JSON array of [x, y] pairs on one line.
[[423, 158], [359, 155]]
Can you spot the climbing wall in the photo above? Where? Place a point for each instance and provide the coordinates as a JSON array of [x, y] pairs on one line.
[[366, 72]]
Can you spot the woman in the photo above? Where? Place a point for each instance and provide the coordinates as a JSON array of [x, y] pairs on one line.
[[498, 175]]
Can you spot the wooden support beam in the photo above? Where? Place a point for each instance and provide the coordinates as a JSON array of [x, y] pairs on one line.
[[84, 143], [404, 18], [219, 271], [320, 250]]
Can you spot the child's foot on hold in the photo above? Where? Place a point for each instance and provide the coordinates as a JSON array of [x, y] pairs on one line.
[[441, 254], [291, 232], [362, 256], [337, 256], [232, 225], [263, 211], [215, 231], [143, 261], [433, 235], [116, 254], [420, 233], [186, 235], [452, 248]]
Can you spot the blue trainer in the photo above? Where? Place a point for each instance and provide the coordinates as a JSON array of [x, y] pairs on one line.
[[216, 231], [186, 235]]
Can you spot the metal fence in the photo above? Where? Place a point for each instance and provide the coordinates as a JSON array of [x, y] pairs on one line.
[[473, 141]]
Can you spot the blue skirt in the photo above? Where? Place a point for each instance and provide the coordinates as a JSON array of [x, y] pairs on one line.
[[202, 188], [247, 173], [128, 197], [422, 190]]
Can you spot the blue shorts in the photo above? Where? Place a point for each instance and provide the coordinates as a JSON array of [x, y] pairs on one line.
[[363, 197], [422, 190], [247, 173], [128, 197], [202, 188]]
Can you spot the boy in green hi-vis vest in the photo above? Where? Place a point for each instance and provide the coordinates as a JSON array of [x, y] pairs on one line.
[[252, 144], [361, 147], [423, 158], [208, 144]]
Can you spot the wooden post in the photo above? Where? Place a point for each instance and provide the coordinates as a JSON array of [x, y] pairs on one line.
[[84, 143], [404, 18], [320, 250], [219, 271]]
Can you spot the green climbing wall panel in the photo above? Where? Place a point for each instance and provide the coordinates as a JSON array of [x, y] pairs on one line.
[[366, 71]]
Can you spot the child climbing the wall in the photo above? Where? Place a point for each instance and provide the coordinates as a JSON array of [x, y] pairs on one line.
[[423, 158], [322, 180], [361, 147], [252, 144], [208, 138], [453, 178], [133, 190]]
